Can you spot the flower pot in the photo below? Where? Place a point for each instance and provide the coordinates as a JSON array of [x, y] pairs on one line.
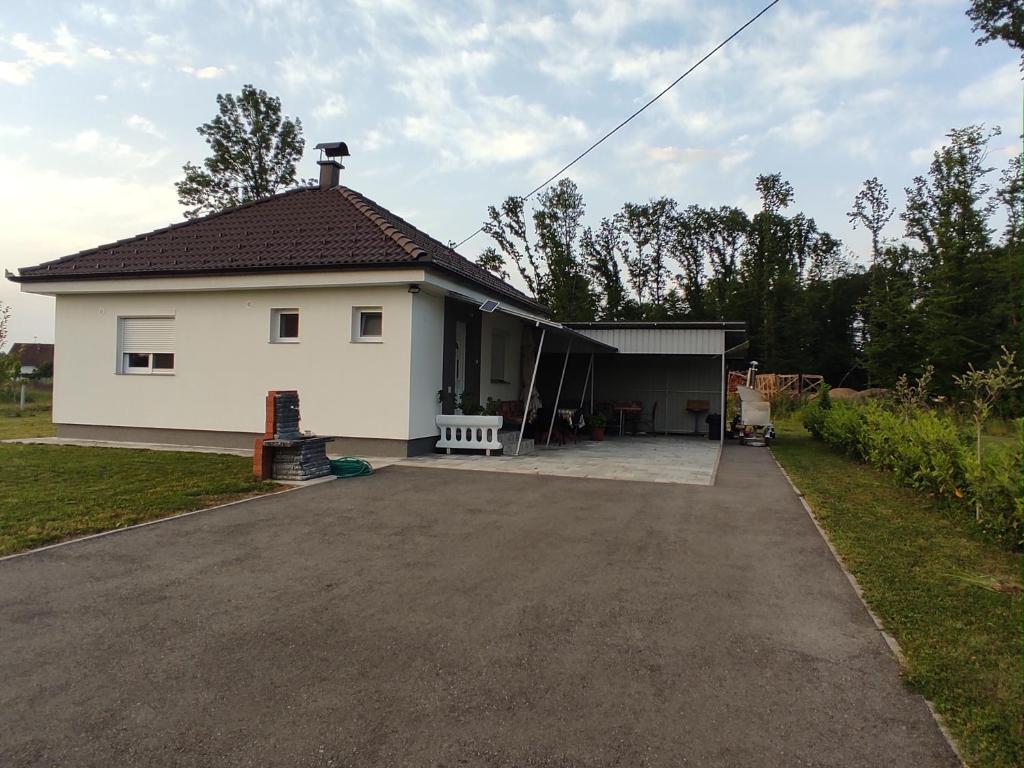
[[597, 433]]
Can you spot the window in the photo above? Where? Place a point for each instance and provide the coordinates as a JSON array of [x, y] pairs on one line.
[[145, 345], [368, 324], [284, 325], [499, 354]]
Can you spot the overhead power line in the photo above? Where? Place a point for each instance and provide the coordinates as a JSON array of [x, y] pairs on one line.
[[625, 122]]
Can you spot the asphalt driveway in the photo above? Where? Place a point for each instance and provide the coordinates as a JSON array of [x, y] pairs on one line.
[[427, 617]]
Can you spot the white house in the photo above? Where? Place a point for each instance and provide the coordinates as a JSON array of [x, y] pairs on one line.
[[176, 335]]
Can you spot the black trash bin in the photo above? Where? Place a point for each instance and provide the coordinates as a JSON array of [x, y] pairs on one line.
[[714, 422]]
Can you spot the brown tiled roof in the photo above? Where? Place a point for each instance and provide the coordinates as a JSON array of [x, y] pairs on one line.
[[303, 229], [33, 354]]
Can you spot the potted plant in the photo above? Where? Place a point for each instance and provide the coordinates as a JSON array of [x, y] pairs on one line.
[[598, 423]]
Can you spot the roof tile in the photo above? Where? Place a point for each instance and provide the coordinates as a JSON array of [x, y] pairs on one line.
[[302, 229]]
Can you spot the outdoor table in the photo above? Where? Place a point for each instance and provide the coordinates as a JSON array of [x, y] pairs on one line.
[[623, 409]]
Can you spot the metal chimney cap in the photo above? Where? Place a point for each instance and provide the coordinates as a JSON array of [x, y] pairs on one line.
[[334, 148]]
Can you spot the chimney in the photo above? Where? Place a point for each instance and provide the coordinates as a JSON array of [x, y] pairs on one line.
[[330, 169]]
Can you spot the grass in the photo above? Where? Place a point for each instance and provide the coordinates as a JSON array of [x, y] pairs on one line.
[[49, 493], [950, 597], [34, 421]]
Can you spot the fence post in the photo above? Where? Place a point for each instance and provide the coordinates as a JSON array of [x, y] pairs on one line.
[[21, 406]]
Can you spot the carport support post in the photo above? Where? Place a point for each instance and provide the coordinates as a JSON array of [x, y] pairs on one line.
[[554, 411], [586, 381], [725, 400], [529, 392]]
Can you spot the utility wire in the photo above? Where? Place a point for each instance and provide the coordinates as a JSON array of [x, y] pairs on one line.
[[623, 124]]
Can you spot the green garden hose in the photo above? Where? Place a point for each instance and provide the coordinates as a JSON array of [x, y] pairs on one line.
[[350, 466]]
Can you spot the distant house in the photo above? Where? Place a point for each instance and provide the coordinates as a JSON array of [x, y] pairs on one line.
[[176, 335], [32, 356]]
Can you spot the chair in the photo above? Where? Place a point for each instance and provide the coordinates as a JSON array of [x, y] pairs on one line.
[[559, 431], [650, 426], [512, 414]]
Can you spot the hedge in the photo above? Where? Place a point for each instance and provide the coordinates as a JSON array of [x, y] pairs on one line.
[[929, 450]]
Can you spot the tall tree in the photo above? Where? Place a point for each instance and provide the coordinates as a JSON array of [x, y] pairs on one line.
[[998, 20], [550, 259], [493, 262], [601, 249], [649, 230], [254, 153], [872, 211], [963, 285], [892, 317]]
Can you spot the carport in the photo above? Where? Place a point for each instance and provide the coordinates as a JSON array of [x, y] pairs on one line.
[[676, 371]]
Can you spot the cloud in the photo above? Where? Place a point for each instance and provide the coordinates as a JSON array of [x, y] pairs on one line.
[[145, 125], [14, 131], [333, 106], [92, 143], [100, 53], [995, 90], [203, 73], [923, 155], [97, 14], [16, 72]]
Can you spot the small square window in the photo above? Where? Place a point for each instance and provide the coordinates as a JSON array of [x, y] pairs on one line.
[[368, 324], [284, 325], [163, 361], [136, 361], [371, 324]]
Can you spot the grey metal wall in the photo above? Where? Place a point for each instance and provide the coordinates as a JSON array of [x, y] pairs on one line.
[[661, 341], [668, 380]]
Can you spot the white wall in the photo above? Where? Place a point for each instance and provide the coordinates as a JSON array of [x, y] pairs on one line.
[[426, 363], [513, 328], [224, 363]]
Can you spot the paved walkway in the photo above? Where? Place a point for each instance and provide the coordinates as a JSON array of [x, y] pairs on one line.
[[421, 617], [689, 460]]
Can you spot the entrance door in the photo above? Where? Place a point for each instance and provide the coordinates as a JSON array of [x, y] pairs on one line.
[[460, 358]]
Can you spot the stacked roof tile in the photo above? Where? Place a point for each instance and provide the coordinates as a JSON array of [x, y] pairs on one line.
[[300, 230]]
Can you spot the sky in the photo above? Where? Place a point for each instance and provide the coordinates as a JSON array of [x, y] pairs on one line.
[[448, 107]]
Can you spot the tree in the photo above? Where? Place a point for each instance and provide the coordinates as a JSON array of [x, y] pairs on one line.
[[10, 366], [601, 251], [255, 151], [998, 20], [984, 388], [493, 262], [892, 319], [550, 259], [961, 275], [5, 319], [871, 210]]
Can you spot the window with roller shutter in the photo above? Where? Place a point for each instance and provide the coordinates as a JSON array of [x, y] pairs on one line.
[[145, 345]]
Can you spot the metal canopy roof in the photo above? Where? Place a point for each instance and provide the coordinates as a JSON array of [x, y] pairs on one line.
[[668, 338]]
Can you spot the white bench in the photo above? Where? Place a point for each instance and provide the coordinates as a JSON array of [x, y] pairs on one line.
[[478, 433]]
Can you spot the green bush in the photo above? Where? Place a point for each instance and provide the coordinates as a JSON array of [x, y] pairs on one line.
[[929, 450]]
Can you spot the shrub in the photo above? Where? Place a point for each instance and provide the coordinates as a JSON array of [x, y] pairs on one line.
[[928, 450]]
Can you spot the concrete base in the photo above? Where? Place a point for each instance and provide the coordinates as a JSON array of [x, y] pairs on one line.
[[342, 446]]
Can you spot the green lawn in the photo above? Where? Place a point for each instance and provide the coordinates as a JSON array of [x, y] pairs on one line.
[[951, 598], [33, 421], [49, 493]]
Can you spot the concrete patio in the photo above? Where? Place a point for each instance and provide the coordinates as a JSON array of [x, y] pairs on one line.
[[651, 459]]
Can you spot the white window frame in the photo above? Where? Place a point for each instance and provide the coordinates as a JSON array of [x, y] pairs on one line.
[[275, 325], [357, 325], [124, 368]]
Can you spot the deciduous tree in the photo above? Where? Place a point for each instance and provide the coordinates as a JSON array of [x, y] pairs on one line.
[[254, 153]]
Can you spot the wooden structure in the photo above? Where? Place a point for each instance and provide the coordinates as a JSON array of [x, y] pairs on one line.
[[772, 384]]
